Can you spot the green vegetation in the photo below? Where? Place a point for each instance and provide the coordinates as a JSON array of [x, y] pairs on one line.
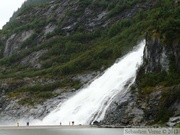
[[169, 97], [153, 79], [68, 51], [37, 1], [37, 93], [162, 22], [84, 50], [1, 49], [178, 125], [124, 5]]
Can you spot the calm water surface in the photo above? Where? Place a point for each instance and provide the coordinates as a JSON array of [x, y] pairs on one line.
[[56, 131]]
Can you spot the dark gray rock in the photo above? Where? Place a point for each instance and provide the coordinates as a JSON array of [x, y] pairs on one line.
[[136, 109], [32, 59], [176, 50], [132, 109], [13, 43], [156, 56], [173, 121]]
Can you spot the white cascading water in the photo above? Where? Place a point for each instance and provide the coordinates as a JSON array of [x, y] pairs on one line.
[[91, 103]]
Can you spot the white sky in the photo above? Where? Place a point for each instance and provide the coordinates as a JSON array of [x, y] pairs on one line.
[[7, 8]]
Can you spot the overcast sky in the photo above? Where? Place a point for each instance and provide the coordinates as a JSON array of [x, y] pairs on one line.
[[7, 8]]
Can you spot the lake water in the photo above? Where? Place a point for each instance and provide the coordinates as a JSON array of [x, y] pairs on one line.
[[87, 131], [61, 131]]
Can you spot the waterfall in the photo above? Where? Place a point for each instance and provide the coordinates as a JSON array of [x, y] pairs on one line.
[[91, 103]]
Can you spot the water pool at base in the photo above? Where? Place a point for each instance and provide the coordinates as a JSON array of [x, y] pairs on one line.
[[60, 131]]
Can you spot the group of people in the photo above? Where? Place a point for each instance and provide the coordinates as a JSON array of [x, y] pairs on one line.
[[69, 123]]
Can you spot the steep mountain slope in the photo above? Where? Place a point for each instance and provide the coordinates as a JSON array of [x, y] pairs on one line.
[[50, 49], [154, 98]]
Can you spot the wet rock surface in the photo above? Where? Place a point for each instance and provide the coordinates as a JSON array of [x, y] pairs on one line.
[[137, 108]]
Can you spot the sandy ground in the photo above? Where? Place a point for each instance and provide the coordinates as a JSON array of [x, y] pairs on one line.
[[46, 126]]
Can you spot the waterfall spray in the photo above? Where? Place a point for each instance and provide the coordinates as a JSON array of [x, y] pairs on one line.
[[91, 103]]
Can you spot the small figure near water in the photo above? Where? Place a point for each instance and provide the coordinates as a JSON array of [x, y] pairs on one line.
[[27, 123]]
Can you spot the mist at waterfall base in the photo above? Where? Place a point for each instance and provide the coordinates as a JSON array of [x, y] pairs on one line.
[[91, 103]]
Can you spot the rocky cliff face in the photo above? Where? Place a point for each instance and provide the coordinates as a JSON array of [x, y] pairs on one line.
[[13, 43], [23, 44], [49, 51], [139, 107], [72, 15], [158, 55]]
